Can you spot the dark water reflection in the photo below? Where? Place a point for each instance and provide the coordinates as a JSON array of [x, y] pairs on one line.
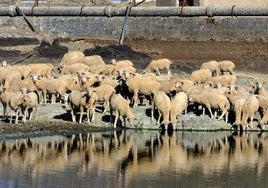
[[136, 159]]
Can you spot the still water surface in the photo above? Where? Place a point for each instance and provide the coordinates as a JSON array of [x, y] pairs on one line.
[[136, 159]]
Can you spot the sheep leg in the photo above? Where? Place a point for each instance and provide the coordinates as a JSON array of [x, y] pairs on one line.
[[116, 118], [92, 113], [45, 97], [209, 109], [223, 113], [10, 118], [4, 111], [17, 116], [53, 99], [135, 99], [152, 112], [73, 114], [25, 114], [159, 117], [88, 118], [106, 106], [81, 114]]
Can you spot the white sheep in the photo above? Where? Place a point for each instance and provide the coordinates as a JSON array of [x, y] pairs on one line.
[[83, 100], [226, 66], [41, 69], [223, 80], [161, 102], [19, 85], [178, 105], [264, 120], [30, 106], [12, 77], [121, 63], [70, 58], [121, 107], [74, 68], [4, 98], [237, 98], [213, 100], [146, 87], [156, 65], [213, 66], [200, 76], [15, 104], [104, 93], [183, 84], [50, 86], [248, 111]]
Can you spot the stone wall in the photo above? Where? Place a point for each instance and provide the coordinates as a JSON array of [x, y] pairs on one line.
[[149, 28]]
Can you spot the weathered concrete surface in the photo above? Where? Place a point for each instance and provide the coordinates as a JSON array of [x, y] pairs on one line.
[[150, 28]]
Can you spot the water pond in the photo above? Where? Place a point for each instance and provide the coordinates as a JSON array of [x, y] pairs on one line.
[[131, 158]]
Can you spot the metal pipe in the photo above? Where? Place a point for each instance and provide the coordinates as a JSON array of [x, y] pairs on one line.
[[136, 11]]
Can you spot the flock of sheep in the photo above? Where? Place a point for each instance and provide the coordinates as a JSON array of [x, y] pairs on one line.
[[83, 83]]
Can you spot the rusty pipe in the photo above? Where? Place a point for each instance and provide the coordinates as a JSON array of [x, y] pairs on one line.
[[109, 11]]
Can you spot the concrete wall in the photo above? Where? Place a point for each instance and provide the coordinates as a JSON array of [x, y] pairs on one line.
[[150, 28]]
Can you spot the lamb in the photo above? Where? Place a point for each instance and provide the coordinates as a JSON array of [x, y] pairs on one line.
[[30, 106], [4, 98], [104, 93], [74, 68], [121, 107], [15, 104], [83, 100], [141, 86], [157, 65], [213, 66], [200, 76], [162, 102], [237, 100], [213, 100], [178, 105], [248, 111], [226, 66]]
